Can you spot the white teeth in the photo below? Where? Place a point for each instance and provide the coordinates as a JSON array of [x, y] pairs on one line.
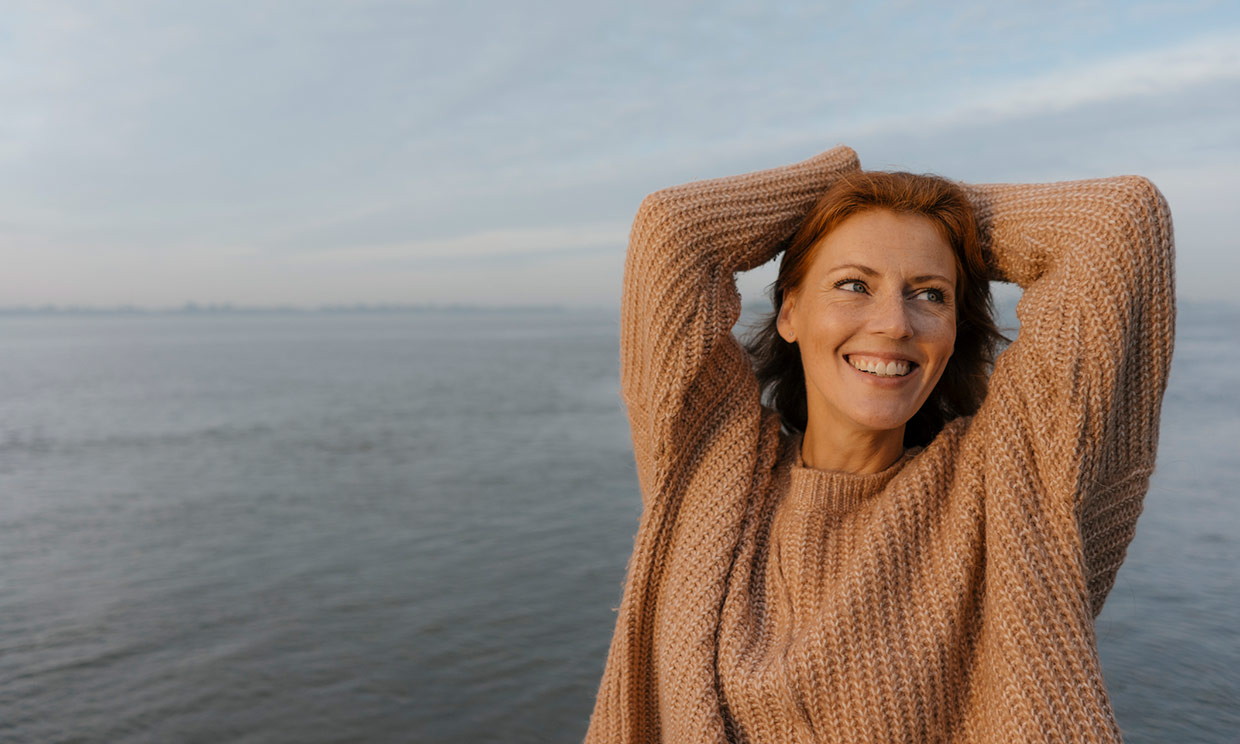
[[880, 368]]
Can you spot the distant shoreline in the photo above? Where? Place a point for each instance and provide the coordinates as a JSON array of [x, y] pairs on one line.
[[229, 309], [749, 310]]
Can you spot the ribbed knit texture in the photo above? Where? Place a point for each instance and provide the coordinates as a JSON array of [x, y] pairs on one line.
[[949, 598]]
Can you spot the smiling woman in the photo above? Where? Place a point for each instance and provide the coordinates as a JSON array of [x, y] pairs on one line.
[[875, 320], [894, 261], [900, 549]]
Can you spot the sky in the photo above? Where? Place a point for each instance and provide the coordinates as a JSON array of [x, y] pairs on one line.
[[493, 153]]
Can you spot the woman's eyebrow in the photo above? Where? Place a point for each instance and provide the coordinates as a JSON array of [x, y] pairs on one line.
[[857, 267], [860, 268], [931, 277]]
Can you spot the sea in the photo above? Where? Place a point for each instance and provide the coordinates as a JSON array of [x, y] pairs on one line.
[[413, 525]]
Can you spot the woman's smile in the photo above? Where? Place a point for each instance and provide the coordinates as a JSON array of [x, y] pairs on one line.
[[880, 366]]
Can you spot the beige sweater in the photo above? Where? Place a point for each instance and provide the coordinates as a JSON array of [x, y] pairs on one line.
[[950, 598]]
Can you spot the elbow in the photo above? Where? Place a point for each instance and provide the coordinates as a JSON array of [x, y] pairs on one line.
[[1139, 222], [656, 215], [1141, 210]]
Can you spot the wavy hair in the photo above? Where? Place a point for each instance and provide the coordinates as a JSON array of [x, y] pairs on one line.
[[962, 387]]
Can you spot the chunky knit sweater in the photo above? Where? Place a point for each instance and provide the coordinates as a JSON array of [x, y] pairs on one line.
[[950, 598]]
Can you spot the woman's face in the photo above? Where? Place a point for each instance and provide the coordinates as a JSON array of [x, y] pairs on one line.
[[875, 319]]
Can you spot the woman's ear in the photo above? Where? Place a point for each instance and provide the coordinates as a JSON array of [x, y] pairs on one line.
[[783, 323]]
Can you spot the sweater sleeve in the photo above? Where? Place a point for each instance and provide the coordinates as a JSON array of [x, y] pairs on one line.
[[679, 361], [1081, 387]]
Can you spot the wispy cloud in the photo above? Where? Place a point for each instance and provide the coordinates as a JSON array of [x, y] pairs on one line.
[[1145, 73], [482, 245]]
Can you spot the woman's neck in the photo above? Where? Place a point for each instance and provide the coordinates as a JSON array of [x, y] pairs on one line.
[[861, 453]]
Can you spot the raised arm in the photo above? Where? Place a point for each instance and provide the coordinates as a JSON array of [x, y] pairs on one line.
[[1083, 383], [678, 357]]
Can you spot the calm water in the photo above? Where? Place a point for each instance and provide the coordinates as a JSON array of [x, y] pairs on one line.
[[413, 527]]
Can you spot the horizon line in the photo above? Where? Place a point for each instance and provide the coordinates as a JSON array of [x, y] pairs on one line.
[[221, 308], [197, 308]]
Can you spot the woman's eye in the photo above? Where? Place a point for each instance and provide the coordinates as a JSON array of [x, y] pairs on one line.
[[851, 285], [933, 295]]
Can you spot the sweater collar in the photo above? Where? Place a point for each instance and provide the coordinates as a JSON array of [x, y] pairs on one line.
[[834, 491]]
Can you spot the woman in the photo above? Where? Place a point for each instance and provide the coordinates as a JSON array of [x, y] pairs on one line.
[[887, 555]]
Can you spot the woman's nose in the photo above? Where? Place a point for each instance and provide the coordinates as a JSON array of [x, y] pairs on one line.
[[892, 317]]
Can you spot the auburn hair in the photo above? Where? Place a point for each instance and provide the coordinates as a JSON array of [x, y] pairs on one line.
[[962, 386]]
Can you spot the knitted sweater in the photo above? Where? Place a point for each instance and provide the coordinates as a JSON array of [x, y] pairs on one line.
[[948, 598]]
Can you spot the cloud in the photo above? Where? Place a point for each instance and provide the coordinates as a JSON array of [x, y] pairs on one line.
[[1148, 73], [480, 246]]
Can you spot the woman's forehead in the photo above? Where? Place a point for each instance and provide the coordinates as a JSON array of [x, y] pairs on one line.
[[881, 242]]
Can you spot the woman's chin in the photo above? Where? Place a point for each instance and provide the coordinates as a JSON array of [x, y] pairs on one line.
[[880, 422]]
